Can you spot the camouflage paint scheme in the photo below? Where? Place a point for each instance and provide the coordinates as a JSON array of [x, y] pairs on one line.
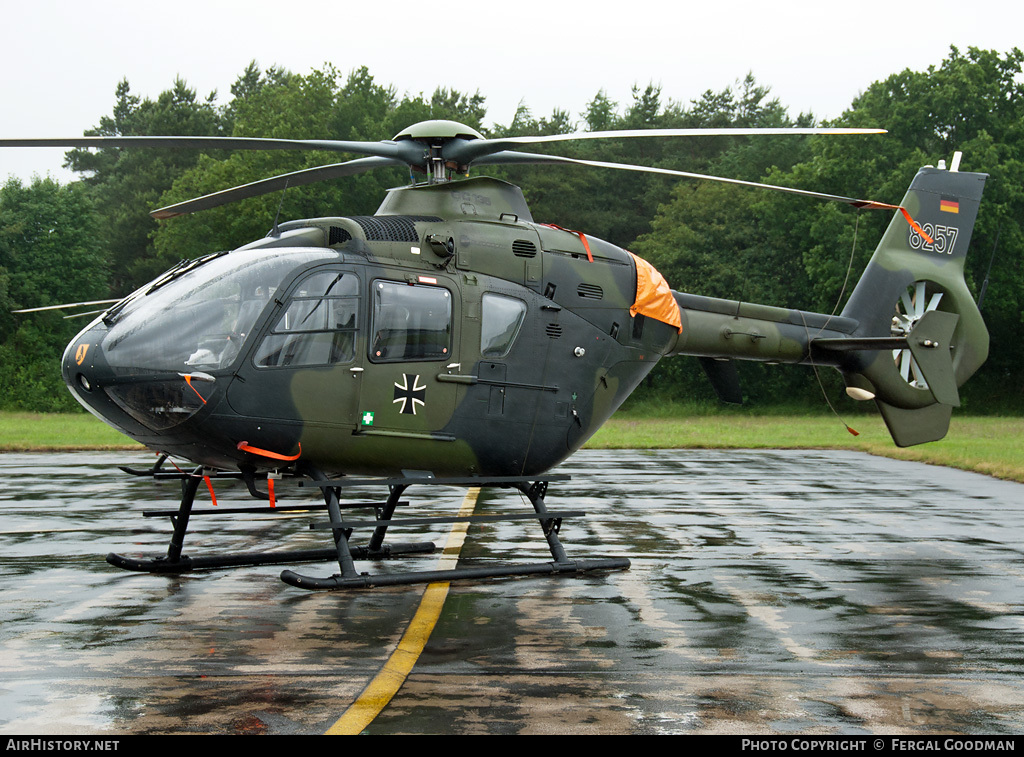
[[577, 354]]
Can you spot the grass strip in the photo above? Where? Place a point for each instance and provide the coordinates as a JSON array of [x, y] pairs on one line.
[[983, 444], [49, 432], [989, 445]]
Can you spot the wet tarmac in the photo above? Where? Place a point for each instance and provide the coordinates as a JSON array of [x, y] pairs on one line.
[[770, 593]]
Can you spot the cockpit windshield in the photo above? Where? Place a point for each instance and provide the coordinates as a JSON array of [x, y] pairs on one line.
[[199, 320]]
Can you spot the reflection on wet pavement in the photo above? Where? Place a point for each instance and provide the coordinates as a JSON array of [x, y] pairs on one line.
[[770, 592]]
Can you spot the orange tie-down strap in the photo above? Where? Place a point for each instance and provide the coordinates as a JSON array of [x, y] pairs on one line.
[[188, 380], [209, 485], [654, 296], [580, 234], [872, 205], [246, 447]]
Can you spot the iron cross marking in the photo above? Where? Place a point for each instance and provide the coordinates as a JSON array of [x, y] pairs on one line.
[[409, 393]]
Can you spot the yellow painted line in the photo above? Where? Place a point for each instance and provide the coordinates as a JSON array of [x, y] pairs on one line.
[[379, 692]]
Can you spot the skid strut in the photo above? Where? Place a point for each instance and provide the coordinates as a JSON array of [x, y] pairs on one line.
[[176, 562], [341, 530], [535, 490]]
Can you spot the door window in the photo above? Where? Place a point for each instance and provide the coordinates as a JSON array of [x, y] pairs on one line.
[[410, 322]]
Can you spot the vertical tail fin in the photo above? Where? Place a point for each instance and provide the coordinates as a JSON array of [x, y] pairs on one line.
[[910, 277]]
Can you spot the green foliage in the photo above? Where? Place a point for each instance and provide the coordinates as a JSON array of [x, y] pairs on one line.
[[249, 83], [706, 238], [319, 105], [31, 378], [126, 184], [972, 102], [619, 206], [49, 254], [48, 246], [776, 249]]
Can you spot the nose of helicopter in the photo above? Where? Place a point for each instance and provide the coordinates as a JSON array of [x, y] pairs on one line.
[[79, 363], [86, 373], [133, 404], [145, 403]]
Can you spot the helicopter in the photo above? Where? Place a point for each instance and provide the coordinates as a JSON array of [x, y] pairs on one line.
[[449, 339]]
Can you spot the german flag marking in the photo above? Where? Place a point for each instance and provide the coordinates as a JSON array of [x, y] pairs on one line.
[[949, 205]]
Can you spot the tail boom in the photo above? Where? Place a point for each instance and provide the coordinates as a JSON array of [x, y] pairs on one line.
[[910, 335]]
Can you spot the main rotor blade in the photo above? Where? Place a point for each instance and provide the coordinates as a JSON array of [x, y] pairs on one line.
[[66, 305], [468, 151], [265, 186], [524, 158], [404, 152]]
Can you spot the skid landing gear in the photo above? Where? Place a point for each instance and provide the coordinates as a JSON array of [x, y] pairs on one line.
[[534, 490], [176, 562], [341, 530]]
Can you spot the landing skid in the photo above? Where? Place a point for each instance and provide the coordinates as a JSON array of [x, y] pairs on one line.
[[341, 530], [534, 489], [186, 564], [176, 562], [364, 580]]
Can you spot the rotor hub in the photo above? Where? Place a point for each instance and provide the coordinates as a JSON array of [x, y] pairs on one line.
[[438, 131]]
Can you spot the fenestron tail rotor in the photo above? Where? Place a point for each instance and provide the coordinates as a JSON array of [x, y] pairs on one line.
[[919, 298]]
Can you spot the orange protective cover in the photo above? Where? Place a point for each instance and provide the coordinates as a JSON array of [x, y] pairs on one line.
[[654, 296]]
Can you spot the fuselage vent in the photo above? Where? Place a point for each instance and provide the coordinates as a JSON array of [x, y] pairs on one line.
[[554, 330], [337, 235], [590, 291], [524, 248], [391, 228]]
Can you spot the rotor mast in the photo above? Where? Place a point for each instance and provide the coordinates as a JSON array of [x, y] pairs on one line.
[[437, 169], [437, 137]]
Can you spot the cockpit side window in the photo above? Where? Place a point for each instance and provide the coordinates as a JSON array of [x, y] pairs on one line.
[[198, 317], [318, 325], [501, 318], [410, 322]]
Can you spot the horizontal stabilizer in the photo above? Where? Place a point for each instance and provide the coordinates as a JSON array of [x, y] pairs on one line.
[[930, 345], [862, 344]]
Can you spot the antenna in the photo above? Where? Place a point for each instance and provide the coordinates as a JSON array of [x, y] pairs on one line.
[[274, 232], [984, 284]]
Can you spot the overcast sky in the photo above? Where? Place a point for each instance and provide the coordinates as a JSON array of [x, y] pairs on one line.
[[60, 61]]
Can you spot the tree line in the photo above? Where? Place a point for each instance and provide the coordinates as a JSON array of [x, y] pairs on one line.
[[93, 238]]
